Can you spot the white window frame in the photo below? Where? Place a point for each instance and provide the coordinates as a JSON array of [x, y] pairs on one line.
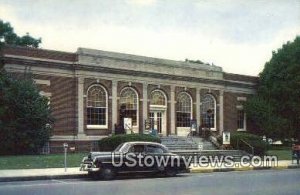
[[106, 110]]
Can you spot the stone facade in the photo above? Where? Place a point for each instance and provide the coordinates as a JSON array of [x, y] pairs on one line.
[[66, 78]]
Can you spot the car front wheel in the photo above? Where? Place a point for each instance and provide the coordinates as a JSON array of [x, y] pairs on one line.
[[108, 173]]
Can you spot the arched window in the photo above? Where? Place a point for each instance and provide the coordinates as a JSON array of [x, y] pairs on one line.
[[96, 106], [158, 98], [184, 110], [129, 99], [208, 111]]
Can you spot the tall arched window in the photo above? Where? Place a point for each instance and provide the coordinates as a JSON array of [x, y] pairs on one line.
[[129, 99], [96, 106], [158, 98], [184, 110], [208, 111]]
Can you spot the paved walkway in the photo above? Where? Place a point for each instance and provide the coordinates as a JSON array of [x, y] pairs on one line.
[[36, 174], [282, 164], [59, 173]]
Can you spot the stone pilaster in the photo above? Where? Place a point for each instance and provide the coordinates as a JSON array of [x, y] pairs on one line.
[[198, 114], [172, 110], [221, 118], [145, 104], [80, 107], [114, 106]]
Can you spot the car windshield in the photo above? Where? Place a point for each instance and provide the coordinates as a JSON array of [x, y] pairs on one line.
[[122, 148]]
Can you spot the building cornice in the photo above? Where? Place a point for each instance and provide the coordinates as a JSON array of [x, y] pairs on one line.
[[99, 54]]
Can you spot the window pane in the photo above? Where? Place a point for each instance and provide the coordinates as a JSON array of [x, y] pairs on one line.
[[183, 110], [96, 116], [240, 121], [129, 99], [158, 98], [183, 119], [208, 104], [131, 114], [96, 106], [96, 97]]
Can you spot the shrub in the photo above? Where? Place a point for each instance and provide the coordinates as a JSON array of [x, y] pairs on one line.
[[260, 147], [110, 143]]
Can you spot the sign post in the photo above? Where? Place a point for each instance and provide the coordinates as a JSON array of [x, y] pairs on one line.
[[65, 149]]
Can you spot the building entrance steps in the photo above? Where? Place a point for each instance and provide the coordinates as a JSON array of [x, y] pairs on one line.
[[198, 146], [185, 143]]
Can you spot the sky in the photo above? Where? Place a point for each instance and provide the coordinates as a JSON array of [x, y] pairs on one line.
[[238, 35]]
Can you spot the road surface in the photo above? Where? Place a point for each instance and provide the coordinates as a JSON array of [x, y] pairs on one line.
[[247, 182]]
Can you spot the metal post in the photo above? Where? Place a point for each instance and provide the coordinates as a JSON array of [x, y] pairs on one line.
[[65, 149]]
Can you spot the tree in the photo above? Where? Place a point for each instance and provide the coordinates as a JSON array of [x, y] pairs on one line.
[[8, 36], [24, 115], [276, 107]]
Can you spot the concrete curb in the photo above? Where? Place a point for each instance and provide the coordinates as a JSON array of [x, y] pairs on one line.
[[210, 170], [42, 177]]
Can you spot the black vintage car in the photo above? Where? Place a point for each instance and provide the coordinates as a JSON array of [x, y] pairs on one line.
[[134, 157]]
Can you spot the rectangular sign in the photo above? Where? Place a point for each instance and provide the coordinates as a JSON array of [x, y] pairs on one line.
[[226, 138], [193, 125], [128, 125]]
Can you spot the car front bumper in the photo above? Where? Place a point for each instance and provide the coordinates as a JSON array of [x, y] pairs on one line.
[[88, 167]]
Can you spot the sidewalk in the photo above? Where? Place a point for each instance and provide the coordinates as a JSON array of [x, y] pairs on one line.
[[282, 164], [59, 173], [39, 174]]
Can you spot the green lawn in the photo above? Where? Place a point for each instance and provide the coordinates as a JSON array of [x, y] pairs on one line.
[[282, 154], [40, 161]]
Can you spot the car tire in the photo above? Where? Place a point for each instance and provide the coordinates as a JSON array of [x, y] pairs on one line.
[[171, 172], [94, 175], [108, 173]]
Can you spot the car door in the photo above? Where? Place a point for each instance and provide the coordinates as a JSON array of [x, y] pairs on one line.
[[153, 153], [135, 158]]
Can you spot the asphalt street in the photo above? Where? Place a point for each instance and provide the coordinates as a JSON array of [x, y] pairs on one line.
[[247, 182]]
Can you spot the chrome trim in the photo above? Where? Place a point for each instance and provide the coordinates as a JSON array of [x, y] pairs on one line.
[[88, 167]]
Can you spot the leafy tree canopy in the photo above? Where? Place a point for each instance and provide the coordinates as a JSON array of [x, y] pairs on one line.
[[8, 36], [24, 115], [276, 107]]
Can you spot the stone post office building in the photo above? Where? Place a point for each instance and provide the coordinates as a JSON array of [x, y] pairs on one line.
[[87, 88]]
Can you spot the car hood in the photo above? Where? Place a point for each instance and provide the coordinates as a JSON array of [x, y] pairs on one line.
[[93, 155]]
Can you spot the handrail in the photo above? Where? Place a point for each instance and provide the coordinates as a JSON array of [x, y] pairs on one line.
[[251, 147]]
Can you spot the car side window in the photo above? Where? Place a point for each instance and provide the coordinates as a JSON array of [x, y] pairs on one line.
[[154, 149], [137, 149]]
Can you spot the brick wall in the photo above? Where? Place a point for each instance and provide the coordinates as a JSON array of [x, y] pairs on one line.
[[230, 112], [63, 104]]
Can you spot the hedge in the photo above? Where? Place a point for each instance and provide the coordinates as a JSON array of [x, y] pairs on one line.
[[260, 147], [110, 143]]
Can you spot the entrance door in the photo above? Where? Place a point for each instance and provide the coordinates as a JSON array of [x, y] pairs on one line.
[[157, 121]]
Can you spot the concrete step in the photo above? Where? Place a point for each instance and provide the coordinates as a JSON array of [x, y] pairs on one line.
[[236, 155], [182, 143]]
